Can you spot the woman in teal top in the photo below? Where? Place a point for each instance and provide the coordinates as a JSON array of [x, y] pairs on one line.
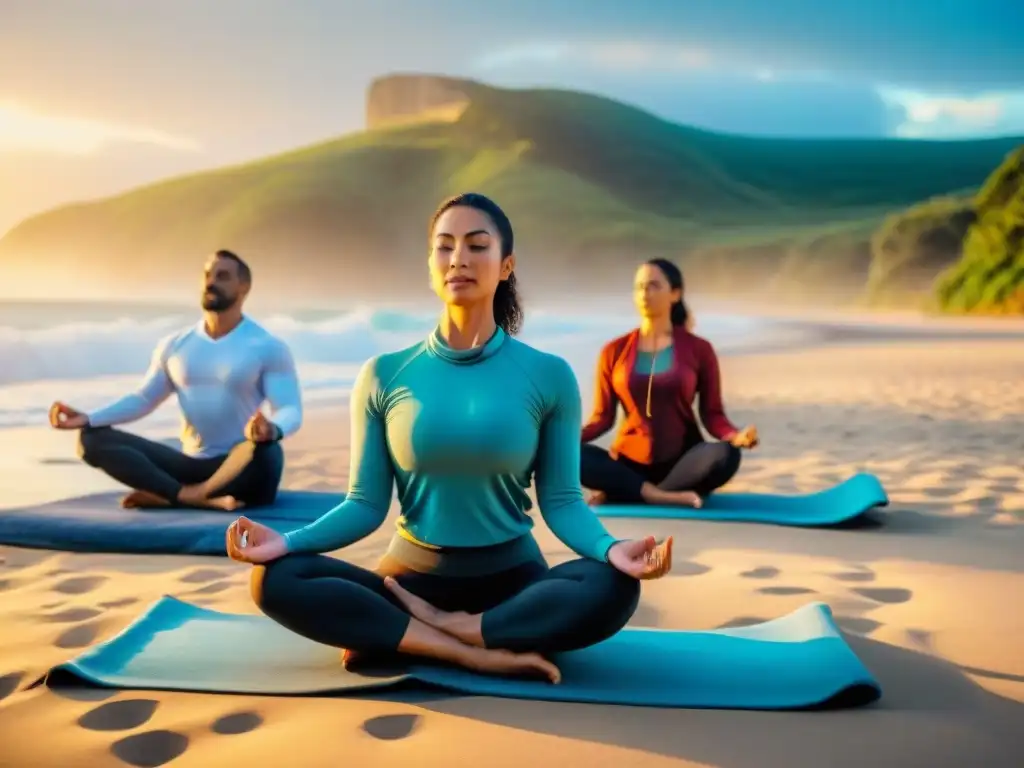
[[459, 423]]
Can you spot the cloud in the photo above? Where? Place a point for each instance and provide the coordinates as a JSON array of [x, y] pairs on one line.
[[957, 46], [618, 55], [641, 58], [629, 55], [25, 130], [709, 87], [747, 90], [939, 116]]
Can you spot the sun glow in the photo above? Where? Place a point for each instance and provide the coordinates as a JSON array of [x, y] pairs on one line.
[[26, 130]]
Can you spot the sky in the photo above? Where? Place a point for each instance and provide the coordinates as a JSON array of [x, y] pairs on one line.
[[100, 96]]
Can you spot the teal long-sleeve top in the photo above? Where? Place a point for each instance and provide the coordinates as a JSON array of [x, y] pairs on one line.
[[461, 432]]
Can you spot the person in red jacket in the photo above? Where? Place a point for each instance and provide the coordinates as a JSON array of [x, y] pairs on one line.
[[659, 455]]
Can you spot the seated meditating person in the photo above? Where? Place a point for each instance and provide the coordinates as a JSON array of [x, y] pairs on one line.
[[460, 422], [223, 370], [659, 455]]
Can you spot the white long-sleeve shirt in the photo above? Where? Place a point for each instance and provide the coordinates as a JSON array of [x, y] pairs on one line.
[[220, 384]]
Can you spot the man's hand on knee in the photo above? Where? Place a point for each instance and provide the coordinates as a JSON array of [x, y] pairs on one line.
[[260, 429]]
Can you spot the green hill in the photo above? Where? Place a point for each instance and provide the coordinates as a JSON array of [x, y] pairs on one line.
[[592, 186], [914, 246], [989, 277]]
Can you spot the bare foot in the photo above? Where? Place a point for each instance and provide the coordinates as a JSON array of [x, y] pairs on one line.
[[226, 503], [485, 660], [196, 496], [654, 495], [596, 498], [482, 660], [498, 662], [687, 499], [420, 639], [458, 624], [143, 500]]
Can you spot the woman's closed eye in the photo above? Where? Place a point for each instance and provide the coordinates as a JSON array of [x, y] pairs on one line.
[[473, 248]]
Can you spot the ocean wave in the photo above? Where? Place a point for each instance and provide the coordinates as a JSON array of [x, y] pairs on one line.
[[89, 363]]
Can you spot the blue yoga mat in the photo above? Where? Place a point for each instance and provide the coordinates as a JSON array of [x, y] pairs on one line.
[[97, 523], [798, 661], [839, 504]]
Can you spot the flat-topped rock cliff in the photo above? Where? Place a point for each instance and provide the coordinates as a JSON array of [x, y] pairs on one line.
[[404, 98]]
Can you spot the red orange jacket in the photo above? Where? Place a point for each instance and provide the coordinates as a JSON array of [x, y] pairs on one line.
[[696, 374]]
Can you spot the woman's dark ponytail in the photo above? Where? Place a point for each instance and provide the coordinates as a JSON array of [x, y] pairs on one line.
[[508, 312], [680, 314]]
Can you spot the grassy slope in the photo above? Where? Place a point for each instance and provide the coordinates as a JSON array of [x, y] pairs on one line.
[[989, 277], [912, 247], [583, 177]]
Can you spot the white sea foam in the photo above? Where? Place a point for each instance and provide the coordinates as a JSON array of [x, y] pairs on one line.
[[90, 363]]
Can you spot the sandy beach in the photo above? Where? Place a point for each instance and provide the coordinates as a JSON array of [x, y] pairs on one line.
[[930, 601]]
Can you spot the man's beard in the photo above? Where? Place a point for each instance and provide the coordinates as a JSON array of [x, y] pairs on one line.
[[214, 301]]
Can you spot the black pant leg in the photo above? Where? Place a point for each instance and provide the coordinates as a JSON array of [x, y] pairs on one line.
[[704, 468], [142, 464]]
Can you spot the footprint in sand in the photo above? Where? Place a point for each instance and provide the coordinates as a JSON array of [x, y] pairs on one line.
[[391, 727], [941, 491], [72, 614], [124, 601], [78, 637], [920, 639], [1004, 487], [761, 572], [9, 683], [212, 589], [150, 749], [6, 584], [79, 585], [58, 572], [689, 568], [742, 621], [203, 575], [857, 625], [119, 715], [786, 591], [51, 606], [58, 461], [890, 595], [860, 575], [237, 723]]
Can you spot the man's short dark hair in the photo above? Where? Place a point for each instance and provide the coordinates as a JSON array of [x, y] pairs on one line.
[[244, 273]]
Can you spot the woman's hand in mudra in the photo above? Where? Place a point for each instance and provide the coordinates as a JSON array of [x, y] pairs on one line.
[[249, 542], [746, 437], [642, 558]]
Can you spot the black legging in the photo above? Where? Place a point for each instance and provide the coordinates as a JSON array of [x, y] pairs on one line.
[[526, 608], [703, 468], [251, 472]]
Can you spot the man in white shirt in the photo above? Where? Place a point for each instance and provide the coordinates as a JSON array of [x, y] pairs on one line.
[[223, 369]]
